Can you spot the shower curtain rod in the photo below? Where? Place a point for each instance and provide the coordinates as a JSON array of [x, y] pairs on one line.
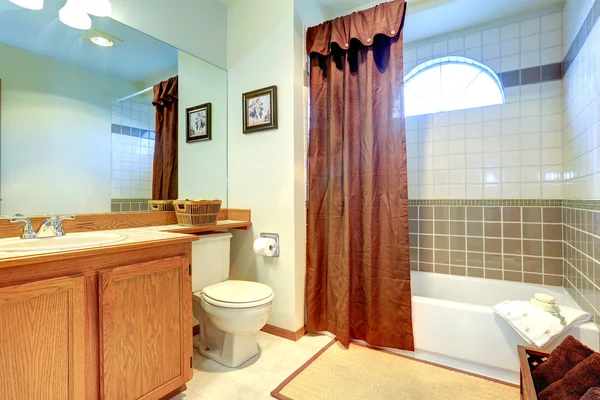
[[136, 94]]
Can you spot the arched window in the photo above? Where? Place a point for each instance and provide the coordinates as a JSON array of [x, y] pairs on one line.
[[448, 84]]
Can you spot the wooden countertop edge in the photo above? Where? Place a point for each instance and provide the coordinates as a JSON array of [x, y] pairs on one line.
[[93, 251], [245, 225]]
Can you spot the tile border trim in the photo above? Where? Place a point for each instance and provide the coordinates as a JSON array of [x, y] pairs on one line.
[[581, 38]]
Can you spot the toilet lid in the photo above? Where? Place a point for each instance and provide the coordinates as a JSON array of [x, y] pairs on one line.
[[237, 293]]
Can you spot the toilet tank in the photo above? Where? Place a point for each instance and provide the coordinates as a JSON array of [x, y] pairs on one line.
[[210, 260]]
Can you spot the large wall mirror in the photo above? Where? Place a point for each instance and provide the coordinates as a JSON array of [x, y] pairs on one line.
[[77, 120]]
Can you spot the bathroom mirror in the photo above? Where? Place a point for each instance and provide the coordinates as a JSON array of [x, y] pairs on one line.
[[77, 123]]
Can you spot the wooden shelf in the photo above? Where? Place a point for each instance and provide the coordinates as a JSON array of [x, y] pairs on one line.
[[221, 226]]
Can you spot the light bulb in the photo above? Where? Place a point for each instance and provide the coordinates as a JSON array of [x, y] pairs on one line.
[[74, 15], [30, 4], [98, 8]]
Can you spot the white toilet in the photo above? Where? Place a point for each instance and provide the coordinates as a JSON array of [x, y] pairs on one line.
[[230, 312]]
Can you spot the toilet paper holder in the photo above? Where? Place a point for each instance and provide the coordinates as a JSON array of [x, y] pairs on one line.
[[275, 237]]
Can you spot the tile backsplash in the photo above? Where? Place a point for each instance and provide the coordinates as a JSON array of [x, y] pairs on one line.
[[510, 240], [133, 139]]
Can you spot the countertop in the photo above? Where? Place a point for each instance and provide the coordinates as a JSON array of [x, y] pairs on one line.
[[137, 239]]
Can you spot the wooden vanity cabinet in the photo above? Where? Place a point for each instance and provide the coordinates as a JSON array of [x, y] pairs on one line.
[[42, 340], [105, 326], [145, 329]]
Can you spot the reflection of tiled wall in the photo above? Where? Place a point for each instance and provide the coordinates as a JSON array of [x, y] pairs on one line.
[[514, 240], [133, 139], [129, 205]]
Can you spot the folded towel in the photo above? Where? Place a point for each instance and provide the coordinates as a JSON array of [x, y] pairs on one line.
[[535, 325], [592, 394], [576, 382], [567, 355]]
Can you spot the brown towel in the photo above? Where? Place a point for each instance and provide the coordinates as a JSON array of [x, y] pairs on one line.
[[567, 355], [576, 382], [592, 394]]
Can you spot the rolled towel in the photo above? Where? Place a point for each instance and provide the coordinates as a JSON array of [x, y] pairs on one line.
[[592, 394], [576, 382], [536, 326], [567, 355]]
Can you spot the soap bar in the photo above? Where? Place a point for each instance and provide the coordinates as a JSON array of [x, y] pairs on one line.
[[544, 306], [545, 298]]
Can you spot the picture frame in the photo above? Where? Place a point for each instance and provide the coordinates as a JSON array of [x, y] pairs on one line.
[[199, 123], [260, 110]]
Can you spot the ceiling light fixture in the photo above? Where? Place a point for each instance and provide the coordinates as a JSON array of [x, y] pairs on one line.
[[101, 41], [30, 4], [74, 15], [98, 8]]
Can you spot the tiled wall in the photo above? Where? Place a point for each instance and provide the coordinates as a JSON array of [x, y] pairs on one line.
[[133, 138], [511, 240], [581, 135], [510, 151], [581, 156]]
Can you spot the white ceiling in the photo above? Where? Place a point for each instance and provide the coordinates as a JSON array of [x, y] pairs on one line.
[[140, 56], [443, 16]]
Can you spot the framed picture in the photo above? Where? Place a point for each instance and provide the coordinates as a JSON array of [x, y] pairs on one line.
[[260, 109], [199, 123]]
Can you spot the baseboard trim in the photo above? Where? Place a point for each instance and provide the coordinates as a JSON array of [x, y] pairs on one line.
[[294, 336], [273, 330]]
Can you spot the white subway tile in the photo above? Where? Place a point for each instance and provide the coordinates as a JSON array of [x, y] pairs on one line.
[[531, 42], [510, 47], [440, 48], [551, 22], [424, 52], [530, 26], [473, 40], [491, 36], [491, 51], [531, 59], [552, 55], [510, 63], [456, 44], [511, 31], [552, 38]]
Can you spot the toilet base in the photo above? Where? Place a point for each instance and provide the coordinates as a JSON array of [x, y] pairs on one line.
[[232, 352]]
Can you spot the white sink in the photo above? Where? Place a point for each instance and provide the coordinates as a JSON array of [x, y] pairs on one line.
[[70, 241]]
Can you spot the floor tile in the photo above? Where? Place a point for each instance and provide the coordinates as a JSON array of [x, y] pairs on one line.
[[256, 378]]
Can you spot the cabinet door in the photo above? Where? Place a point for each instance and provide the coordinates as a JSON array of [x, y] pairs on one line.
[[42, 340], [145, 329]]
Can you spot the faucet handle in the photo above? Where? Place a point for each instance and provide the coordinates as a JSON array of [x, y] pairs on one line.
[[28, 231], [58, 227]]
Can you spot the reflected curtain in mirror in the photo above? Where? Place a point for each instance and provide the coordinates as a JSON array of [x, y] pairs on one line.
[[165, 171], [358, 261]]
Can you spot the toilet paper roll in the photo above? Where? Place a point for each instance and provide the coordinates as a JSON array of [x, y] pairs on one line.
[[265, 247]]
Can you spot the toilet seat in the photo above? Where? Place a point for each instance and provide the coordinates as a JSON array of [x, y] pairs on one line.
[[237, 294]]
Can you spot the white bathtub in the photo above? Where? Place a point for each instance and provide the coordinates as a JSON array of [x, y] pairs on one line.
[[454, 324]]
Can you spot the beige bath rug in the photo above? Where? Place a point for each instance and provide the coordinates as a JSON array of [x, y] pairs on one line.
[[362, 373]]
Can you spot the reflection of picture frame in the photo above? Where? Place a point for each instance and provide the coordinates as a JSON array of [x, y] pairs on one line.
[[260, 109], [199, 123]]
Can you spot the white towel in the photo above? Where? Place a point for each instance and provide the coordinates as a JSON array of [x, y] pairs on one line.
[[535, 325]]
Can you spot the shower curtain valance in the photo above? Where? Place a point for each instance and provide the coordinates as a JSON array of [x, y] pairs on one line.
[[384, 19]]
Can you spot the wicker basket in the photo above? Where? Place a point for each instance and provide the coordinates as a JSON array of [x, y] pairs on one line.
[[530, 359], [197, 213], [161, 205]]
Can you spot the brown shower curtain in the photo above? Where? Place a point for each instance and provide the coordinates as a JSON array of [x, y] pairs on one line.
[[164, 175], [358, 267]]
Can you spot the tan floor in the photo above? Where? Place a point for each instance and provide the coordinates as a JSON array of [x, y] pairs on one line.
[[362, 373]]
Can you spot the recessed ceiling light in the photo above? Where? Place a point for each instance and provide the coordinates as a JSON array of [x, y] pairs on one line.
[[30, 4], [101, 41]]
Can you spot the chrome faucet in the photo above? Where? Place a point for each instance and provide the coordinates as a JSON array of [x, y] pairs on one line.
[[52, 227]]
